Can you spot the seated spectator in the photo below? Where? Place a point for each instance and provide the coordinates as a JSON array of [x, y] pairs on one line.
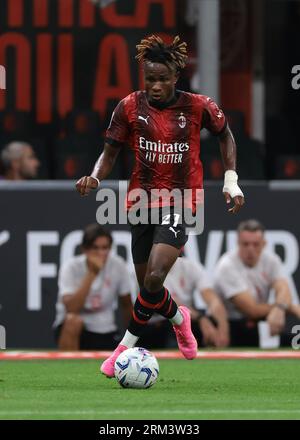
[[89, 287], [244, 278], [184, 279], [19, 161]]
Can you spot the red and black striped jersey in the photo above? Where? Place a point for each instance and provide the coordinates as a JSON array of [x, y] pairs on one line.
[[165, 141]]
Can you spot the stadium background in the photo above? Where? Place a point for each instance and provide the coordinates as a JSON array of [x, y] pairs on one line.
[[67, 65]]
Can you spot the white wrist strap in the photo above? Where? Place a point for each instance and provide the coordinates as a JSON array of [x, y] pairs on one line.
[[230, 184], [98, 181]]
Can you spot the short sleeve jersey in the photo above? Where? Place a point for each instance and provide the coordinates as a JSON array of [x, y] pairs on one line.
[[166, 142]]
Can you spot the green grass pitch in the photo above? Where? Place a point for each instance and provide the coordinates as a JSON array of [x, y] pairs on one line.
[[199, 389]]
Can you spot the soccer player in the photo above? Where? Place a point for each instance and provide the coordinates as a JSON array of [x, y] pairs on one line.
[[162, 125]]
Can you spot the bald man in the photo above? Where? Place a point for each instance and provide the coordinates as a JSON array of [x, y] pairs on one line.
[[19, 161]]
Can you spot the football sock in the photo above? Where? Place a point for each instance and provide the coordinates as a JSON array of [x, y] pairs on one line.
[[129, 340], [168, 308], [144, 307], [177, 319], [147, 303]]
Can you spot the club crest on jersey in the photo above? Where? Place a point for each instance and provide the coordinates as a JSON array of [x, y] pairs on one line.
[[182, 120]]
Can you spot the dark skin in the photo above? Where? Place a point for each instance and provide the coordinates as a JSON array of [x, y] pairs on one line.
[[160, 82]]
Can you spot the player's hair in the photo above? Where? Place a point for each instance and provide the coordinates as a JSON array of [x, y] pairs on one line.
[[250, 225], [154, 49], [91, 233]]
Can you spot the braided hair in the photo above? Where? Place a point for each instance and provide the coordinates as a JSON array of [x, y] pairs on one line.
[[155, 50]]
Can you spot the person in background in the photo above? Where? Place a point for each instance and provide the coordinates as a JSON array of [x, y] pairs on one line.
[[19, 161], [244, 278], [187, 278], [89, 287]]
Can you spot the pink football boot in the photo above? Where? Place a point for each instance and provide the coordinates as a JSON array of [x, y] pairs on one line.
[[108, 366], [186, 340]]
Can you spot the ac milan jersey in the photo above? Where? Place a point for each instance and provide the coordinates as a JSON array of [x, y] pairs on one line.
[[166, 142]]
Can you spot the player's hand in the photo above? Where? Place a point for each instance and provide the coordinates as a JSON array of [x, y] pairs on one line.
[[276, 320], [237, 200], [232, 191], [85, 184]]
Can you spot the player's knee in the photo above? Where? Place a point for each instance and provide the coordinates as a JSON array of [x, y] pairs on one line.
[[73, 324], [154, 280]]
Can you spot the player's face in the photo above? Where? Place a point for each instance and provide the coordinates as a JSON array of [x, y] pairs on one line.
[[100, 248], [159, 82], [251, 245], [29, 164]]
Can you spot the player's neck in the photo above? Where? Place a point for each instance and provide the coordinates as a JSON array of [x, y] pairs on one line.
[[165, 104]]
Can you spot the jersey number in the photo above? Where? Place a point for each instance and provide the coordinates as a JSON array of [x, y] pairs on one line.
[[166, 219]]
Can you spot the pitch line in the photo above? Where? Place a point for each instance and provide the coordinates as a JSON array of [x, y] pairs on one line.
[[147, 412], [218, 355]]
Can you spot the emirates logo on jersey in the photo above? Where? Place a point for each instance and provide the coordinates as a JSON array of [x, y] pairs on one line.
[[163, 152], [182, 120]]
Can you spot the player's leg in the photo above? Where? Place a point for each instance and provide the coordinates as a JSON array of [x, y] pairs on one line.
[[154, 297], [141, 244], [69, 337], [151, 295], [162, 258], [171, 234], [140, 271]]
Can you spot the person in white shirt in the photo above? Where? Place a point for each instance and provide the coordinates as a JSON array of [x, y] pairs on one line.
[[244, 278], [186, 280], [90, 286]]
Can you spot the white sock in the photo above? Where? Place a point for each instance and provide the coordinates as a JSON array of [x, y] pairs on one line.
[[129, 340], [177, 318]]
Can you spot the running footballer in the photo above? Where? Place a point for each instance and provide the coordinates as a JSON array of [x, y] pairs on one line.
[[162, 125]]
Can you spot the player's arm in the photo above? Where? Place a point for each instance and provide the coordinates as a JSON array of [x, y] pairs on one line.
[[213, 119], [231, 190], [101, 170], [247, 305]]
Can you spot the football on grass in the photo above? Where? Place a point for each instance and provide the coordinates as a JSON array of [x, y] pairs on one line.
[[136, 368]]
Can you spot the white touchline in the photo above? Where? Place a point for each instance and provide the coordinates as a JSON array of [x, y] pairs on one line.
[[171, 411]]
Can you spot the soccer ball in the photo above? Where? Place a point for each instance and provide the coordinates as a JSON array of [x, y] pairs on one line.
[[136, 368]]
